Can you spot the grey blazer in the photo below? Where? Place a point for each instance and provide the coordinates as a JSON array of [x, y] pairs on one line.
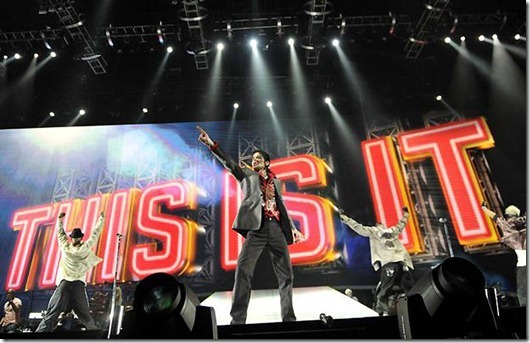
[[249, 216]]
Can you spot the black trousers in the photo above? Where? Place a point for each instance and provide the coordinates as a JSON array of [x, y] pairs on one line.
[[270, 237], [394, 279], [68, 295]]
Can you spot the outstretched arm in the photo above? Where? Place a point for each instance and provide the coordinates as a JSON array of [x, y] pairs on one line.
[[362, 230], [225, 160]]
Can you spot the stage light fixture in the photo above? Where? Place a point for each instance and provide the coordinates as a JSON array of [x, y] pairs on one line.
[[335, 42], [494, 36], [253, 43], [35, 55], [290, 41], [269, 104], [159, 34], [5, 57], [236, 105], [448, 302], [439, 97], [462, 38], [82, 112], [220, 46], [17, 56], [53, 54], [164, 308], [517, 36], [327, 100], [169, 49], [109, 38], [481, 38], [145, 110], [52, 114], [447, 39]]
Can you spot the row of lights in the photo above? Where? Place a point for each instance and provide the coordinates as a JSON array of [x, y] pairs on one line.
[[254, 44], [482, 38], [18, 56], [82, 112], [236, 105]]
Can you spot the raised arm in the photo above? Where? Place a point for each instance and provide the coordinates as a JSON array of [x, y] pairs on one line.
[[96, 231], [225, 160], [403, 221], [61, 234], [361, 229]]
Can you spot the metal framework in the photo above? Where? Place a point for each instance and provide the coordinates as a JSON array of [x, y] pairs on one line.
[[317, 10], [74, 25], [140, 32], [279, 25], [425, 27], [435, 18], [198, 46]]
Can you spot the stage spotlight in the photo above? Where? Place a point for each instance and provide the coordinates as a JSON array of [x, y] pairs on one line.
[[236, 105], [6, 57], [448, 302], [517, 36], [269, 104], [327, 100], [335, 42], [481, 38], [164, 308], [494, 36], [169, 49], [439, 97], [53, 54], [447, 39], [17, 56], [52, 114], [145, 110], [35, 55], [82, 112], [220, 46], [290, 41], [159, 34], [253, 43], [462, 38]]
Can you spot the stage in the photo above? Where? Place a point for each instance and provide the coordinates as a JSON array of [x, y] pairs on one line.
[[308, 303], [347, 319]]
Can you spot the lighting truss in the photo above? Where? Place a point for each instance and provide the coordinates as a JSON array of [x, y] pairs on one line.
[[198, 46], [31, 37], [140, 32], [312, 43], [262, 25], [74, 26], [435, 19], [426, 26]]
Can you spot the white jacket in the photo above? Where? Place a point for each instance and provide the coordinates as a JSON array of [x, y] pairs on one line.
[[76, 261], [385, 246]]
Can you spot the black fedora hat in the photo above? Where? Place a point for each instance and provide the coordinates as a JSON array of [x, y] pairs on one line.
[[77, 233]]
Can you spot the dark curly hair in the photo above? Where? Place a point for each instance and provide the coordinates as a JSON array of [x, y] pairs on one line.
[[265, 155]]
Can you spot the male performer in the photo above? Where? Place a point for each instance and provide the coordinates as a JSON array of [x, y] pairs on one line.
[[10, 322], [389, 257], [264, 222], [513, 229], [77, 258]]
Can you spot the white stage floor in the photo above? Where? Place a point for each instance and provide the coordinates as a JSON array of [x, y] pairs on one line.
[[308, 302]]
